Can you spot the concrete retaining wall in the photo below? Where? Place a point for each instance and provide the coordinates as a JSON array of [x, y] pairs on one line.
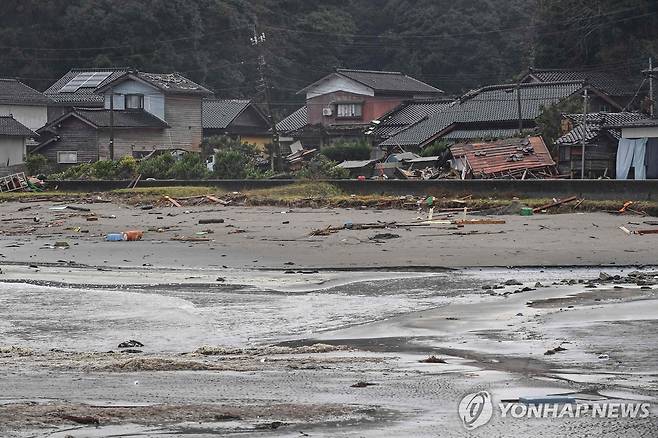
[[589, 189]]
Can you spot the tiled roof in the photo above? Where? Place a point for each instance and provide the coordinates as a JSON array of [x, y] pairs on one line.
[[219, 113], [100, 118], [388, 81], [83, 96], [610, 83], [502, 156], [497, 103], [409, 114], [481, 134], [600, 122], [173, 83], [14, 92], [294, 121], [10, 126], [634, 121], [575, 136]]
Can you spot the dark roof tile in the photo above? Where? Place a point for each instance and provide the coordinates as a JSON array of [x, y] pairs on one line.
[[497, 103], [14, 92], [611, 83], [83, 96], [388, 81], [294, 121], [173, 83], [219, 113], [122, 119], [10, 126]]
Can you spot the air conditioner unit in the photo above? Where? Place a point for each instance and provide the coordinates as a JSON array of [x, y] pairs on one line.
[[327, 111]]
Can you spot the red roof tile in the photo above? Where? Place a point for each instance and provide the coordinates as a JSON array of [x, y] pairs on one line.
[[489, 158]]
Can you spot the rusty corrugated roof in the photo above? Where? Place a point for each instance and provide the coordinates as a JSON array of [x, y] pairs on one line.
[[490, 158]]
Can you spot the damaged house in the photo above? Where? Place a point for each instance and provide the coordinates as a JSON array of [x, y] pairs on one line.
[[615, 85], [514, 158], [493, 112], [140, 112], [601, 135]]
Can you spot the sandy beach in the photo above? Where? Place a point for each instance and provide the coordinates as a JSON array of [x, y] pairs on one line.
[[260, 328]]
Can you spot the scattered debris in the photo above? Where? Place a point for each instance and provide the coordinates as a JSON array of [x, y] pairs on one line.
[[210, 221], [191, 239], [432, 359], [271, 426], [362, 384], [555, 203], [81, 419], [385, 236], [172, 201], [552, 351], [130, 344]]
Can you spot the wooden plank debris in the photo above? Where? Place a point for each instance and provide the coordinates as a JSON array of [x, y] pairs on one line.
[[649, 231], [173, 201], [478, 221], [555, 203]]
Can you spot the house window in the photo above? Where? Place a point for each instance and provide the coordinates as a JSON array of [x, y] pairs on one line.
[[349, 110], [134, 101], [67, 157]]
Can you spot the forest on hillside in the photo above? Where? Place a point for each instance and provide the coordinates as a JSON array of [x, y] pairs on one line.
[[454, 45]]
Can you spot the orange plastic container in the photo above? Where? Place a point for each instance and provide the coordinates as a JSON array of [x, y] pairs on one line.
[[133, 235]]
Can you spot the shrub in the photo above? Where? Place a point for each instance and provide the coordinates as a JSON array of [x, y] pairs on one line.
[[434, 149], [83, 171], [126, 167], [104, 169], [36, 163], [231, 164], [346, 151], [190, 166], [156, 167], [321, 167]]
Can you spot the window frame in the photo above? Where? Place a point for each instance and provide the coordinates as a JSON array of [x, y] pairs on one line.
[[353, 114], [126, 97], [59, 160]]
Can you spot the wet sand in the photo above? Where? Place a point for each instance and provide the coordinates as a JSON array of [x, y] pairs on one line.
[[271, 237], [267, 330]]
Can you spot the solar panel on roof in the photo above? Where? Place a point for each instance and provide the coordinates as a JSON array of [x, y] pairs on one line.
[[85, 80]]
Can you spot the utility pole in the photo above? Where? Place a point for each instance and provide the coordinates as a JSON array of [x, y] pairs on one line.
[[582, 156], [653, 106], [112, 123], [518, 102], [257, 41]]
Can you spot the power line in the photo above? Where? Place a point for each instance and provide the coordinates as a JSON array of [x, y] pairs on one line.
[[456, 35], [126, 46]]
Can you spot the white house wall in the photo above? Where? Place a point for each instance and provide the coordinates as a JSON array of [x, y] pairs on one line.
[[650, 132], [12, 151], [338, 83], [34, 117], [154, 100]]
